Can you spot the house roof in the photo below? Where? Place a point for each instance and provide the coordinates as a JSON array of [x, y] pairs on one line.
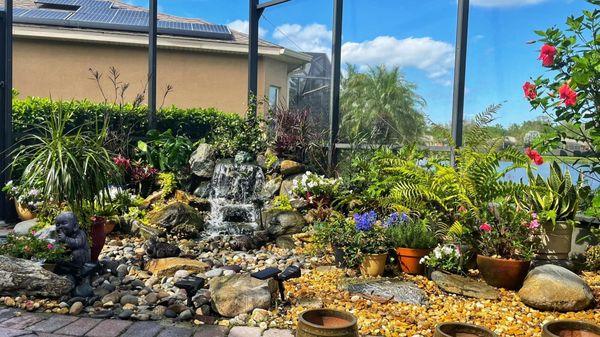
[[236, 42]]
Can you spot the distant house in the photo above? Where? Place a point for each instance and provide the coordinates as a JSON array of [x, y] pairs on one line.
[[56, 42], [310, 87]]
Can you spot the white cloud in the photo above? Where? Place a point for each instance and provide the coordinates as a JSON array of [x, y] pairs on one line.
[[243, 26], [505, 3], [311, 38], [436, 58]]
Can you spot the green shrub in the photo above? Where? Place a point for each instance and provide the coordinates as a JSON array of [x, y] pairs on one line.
[[405, 232], [229, 131], [31, 247], [592, 258]]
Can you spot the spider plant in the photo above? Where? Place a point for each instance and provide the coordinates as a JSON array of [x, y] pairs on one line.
[[72, 164]]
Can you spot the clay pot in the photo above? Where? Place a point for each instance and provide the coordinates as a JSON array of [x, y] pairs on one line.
[[569, 328], [409, 260], [109, 226], [23, 212], [556, 241], [326, 322], [98, 236], [455, 329], [503, 273], [373, 265]]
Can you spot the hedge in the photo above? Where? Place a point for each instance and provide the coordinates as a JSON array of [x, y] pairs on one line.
[[195, 123]]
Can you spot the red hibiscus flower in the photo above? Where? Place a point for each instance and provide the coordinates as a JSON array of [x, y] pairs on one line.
[[568, 95], [530, 90], [534, 156], [485, 227], [547, 54]]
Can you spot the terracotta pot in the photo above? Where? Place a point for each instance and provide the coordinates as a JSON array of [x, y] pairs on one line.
[[409, 260], [556, 241], [373, 265], [109, 226], [326, 322], [455, 329], [569, 328], [98, 236], [23, 212], [503, 273]]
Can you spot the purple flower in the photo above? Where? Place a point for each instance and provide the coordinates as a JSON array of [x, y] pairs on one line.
[[365, 221], [395, 218]]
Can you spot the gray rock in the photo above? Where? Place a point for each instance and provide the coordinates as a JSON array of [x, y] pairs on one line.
[[179, 219], [157, 249], [285, 241], [151, 298], [24, 227], [464, 286], [202, 162], [554, 288], [214, 273], [146, 232], [203, 189], [29, 278], [129, 299], [286, 186], [240, 293], [186, 315], [278, 223], [242, 157], [271, 188], [113, 297], [387, 290], [125, 314]]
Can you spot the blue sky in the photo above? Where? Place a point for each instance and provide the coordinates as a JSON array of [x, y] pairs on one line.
[[418, 36]]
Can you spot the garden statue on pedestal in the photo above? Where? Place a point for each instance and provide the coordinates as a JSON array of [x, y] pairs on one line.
[[78, 268]]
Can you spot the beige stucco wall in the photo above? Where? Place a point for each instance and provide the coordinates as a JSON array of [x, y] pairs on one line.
[[60, 69]]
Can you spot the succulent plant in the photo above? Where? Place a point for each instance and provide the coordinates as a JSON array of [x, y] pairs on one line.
[[555, 198]]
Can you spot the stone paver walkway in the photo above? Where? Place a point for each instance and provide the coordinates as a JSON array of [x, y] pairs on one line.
[[14, 323]]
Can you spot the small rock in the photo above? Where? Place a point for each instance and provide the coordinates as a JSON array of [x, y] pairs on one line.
[[151, 298], [186, 315], [76, 308], [125, 314], [214, 273], [129, 299]]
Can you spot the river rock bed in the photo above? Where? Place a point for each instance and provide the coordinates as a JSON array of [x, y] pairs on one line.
[[126, 290]]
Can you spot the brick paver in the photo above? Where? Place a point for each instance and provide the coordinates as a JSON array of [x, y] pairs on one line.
[[277, 333], [21, 322], [79, 328], [6, 332], [44, 334], [145, 329], [109, 328], [6, 313], [245, 331], [211, 331], [52, 324], [175, 331]]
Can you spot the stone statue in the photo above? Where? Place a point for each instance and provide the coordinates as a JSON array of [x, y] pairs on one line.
[[78, 268], [73, 237]]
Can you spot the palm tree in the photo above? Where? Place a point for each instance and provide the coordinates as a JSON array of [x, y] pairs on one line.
[[380, 106]]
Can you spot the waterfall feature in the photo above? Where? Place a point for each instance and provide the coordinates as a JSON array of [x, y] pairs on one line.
[[234, 198]]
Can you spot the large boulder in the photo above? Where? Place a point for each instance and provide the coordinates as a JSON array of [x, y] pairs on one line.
[[464, 286], [240, 293], [289, 167], [168, 266], [29, 278], [202, 163], [278, 222], [287, 186], [24, 227], [554, 288], [178, 218], [271, 188]]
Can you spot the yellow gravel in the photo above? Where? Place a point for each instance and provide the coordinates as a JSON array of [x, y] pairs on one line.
[[507, 317]]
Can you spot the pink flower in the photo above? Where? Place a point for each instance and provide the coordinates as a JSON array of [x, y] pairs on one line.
[[485, 227], [530, 90], [534, 224], [547, 54], [50, 246]]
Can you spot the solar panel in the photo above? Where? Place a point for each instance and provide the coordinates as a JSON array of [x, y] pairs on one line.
[[92, 17], [19, 11], [174, 25], [47, 14], [217, 29], [131, 18]]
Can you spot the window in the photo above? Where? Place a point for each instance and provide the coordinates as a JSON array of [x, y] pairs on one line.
[[273, 96]]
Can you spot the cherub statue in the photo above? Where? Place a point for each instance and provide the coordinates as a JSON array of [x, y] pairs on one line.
[[79, 268], [73, 237]]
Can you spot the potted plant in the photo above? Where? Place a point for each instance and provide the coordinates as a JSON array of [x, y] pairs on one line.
[[446, 258], [413, 240], [369, 244], [509, 237], [335, 232], [27, 200], [33, 248], [555, 200]]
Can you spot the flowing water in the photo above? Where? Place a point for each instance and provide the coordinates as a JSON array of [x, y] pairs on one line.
[[234, 198]]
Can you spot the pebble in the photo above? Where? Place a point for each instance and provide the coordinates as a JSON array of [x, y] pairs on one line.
[[76, 308]]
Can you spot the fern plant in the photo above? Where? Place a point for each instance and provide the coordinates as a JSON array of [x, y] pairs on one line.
[[459, 193]]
